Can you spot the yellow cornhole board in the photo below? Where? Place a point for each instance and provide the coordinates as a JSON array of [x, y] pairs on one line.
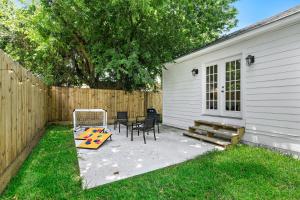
[[95, 141], [89, 133]]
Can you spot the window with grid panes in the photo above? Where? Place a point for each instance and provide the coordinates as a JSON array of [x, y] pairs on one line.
[[212, 87], [233, 85]]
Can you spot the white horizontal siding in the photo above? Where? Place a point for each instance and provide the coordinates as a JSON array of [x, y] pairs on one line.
[[273, 103], [274, 90], [274, 96], [273, 129], [271, 90], [288, 144], [178, 122], [274, 116], [285, 43], [274, 110], [293, 81], [181, 95], [274, 76], [260, 60], [273, 70], [276, 135]]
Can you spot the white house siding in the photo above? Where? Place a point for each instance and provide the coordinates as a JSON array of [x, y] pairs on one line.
[[181, 95], [271, 88]]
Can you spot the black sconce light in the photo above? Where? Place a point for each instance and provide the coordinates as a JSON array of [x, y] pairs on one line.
[[250, 60], [195, 72]]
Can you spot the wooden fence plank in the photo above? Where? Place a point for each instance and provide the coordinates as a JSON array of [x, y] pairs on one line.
[[68, 99], [23, 115], [2, 114]]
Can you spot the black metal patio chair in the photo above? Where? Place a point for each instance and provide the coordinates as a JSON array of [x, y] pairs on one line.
[[122, 118], [147, 125], [151, 113]]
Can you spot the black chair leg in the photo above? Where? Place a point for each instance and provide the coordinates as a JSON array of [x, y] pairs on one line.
[[132, 134], [138, 132], [154, 133], [144, 136], [127, 130], [119, 127], [158, 127]]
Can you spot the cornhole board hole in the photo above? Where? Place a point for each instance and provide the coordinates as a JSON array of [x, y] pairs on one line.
[[89, 133], [94, 141]]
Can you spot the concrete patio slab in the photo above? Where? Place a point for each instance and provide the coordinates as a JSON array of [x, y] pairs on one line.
[[121, 158]]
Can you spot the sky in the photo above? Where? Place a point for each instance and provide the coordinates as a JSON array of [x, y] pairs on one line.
[[252, 11]]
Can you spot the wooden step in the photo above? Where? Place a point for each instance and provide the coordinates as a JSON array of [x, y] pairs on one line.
[[202, 127], [223, 132], [217, 124], [220, 142]]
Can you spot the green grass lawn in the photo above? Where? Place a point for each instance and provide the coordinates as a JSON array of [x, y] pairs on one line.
[[51, 172]]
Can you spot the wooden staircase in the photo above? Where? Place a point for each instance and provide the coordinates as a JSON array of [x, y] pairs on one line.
[[218, 133]]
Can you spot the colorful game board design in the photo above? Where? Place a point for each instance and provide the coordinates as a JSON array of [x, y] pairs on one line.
[[94, 139], [89, 133]]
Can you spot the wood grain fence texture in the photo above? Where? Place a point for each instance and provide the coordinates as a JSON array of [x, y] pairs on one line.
[[63, 100], [26, 105], [23, 105]]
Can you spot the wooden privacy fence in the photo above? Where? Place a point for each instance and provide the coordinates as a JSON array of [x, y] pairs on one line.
[[26, 105], [62, 102], [23, 106]]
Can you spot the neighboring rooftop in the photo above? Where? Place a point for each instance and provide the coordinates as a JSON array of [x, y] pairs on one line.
[[275, 18]]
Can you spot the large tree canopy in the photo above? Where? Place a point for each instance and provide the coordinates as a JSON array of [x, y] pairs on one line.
[[110, 43]]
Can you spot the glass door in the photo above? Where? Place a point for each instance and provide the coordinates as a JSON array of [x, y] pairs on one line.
[[231, 88], [211, 87], [223, 88]]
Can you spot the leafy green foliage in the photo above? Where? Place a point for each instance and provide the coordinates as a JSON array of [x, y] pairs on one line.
[[111, 43], [51, 172]]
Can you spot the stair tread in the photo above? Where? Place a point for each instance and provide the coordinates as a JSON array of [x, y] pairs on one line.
[[209, 139], [219, 131], [219, 124]]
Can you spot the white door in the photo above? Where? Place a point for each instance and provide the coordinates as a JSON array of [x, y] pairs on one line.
[[223, 88], [212, 94]]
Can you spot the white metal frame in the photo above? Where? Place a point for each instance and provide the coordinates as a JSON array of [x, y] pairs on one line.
[[90, 110]]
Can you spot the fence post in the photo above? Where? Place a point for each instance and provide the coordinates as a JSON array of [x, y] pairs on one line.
[[115, 103], [146, 99]]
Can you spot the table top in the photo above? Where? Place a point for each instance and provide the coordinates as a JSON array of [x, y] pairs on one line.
[[132, 122]]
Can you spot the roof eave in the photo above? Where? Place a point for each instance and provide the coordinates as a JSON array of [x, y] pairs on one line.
[[245, 36]]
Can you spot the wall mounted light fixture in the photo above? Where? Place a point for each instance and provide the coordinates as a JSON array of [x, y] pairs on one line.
[[250, 60], [195, 72]]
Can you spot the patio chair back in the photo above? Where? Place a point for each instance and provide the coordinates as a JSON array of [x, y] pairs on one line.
[[151, 113], [122, 115], [149, 123]]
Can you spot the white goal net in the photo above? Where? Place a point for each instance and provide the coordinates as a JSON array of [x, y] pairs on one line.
[[89, 118]]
